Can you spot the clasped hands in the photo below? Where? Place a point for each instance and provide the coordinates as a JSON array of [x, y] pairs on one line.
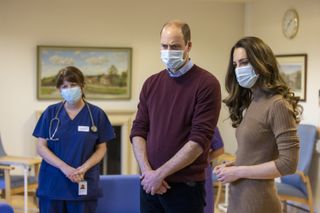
[[74, 174], [153, 183], [226, 172]]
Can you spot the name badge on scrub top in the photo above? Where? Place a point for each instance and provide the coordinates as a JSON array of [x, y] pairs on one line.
[[82, 188], [83, 129]]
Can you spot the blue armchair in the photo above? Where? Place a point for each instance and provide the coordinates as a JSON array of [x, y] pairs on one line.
[[296, 187], [121, 194]]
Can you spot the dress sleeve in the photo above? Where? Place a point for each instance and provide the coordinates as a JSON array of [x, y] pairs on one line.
[[284, 127]]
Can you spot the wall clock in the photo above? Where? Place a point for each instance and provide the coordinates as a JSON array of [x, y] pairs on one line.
[[290, 23]]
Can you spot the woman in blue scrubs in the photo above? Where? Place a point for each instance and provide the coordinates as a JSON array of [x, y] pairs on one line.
[[72, 137]]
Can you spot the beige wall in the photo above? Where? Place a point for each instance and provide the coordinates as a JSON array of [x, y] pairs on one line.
[[122, 23], [263, 19]]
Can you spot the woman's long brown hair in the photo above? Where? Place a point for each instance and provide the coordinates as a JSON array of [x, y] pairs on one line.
[[264, 63]]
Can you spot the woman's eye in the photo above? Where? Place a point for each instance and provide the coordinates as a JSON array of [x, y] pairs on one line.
[[244, 63]]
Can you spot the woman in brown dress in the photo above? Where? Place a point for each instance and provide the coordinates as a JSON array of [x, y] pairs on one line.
[[265, 113]]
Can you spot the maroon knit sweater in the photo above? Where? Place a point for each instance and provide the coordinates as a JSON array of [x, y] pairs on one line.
[[173, 111]]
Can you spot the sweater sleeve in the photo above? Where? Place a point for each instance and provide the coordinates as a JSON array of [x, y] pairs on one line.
[[206, 112], [140, 126], [284, 128]]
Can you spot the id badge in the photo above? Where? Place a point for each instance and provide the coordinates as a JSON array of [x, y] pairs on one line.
[[82, 188]]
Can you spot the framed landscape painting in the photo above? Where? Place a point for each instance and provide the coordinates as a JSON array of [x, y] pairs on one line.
[[293, 69], [107, 70]]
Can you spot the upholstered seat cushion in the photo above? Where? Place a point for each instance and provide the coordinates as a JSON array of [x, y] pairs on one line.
[[288, 190], [16, 181], [5, 208]]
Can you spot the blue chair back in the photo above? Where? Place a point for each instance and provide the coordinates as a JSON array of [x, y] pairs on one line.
[[2, 152], [308, 136], [121, 194]]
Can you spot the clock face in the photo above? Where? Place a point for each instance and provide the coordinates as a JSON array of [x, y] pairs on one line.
[[290, 23]]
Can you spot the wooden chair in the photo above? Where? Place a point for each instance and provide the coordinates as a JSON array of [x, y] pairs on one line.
[[224, 158], [297, 187], [14, 184]]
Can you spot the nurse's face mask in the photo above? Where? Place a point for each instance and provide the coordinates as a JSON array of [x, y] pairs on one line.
[[72, 94]]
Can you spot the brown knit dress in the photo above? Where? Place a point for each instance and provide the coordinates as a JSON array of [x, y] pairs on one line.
[[267, 132]]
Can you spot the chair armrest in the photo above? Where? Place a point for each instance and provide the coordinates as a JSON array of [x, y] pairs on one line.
[[303, 176], [19, 161], [306, 181], [25, 162], [225, 158], [4, 167]]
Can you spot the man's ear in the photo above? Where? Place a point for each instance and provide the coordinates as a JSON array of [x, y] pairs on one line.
[[189, 45]]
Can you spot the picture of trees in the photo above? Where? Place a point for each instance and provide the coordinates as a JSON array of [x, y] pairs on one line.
[[107, 71]]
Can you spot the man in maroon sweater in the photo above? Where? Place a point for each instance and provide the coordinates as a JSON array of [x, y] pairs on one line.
[[178, 111]]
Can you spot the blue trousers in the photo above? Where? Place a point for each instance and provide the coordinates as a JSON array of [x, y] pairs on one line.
[[209, 191], [67, 206], [181, 198]]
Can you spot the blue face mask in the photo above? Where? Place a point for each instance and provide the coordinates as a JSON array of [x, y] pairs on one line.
[[71, 95], [246, 76], [172, 59]]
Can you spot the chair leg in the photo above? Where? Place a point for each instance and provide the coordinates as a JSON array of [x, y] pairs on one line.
[[217, 198], [35, 200], [311, 209], [7, 186], [284, 206]]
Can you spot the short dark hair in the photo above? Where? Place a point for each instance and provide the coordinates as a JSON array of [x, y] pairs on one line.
[[71, 74], [185, 29]]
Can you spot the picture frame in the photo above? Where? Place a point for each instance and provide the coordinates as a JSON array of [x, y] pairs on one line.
[[107, 70], [293, 68]]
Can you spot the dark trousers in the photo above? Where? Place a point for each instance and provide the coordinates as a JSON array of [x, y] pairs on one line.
[[181, 198], [66, 206]]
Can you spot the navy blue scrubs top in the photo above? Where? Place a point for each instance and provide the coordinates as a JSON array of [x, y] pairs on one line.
[[75, 146]]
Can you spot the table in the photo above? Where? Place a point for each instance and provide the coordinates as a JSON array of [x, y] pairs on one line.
[[26, 163]]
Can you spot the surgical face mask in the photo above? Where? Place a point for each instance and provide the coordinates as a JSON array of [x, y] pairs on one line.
[[71, 95], [246, 76], [172, 59]]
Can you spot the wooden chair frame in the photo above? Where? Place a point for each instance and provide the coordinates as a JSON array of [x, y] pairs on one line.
[[308, 201], [8, 164]]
